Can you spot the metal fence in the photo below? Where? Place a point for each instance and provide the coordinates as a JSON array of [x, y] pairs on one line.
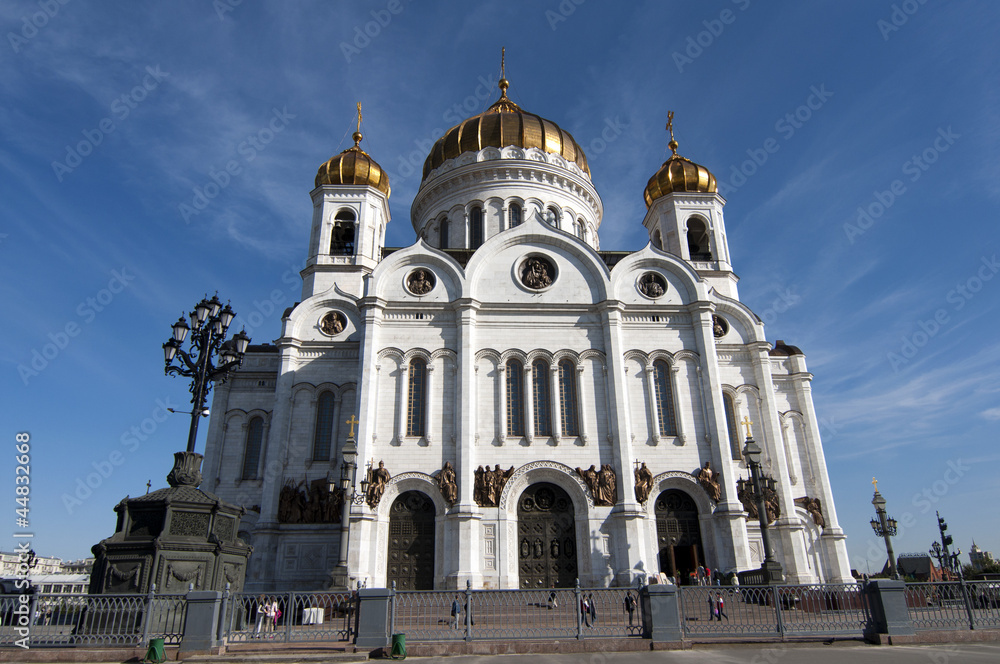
[[289, 617], [954, 605], [771, 611], [492, 615], [97, 620]]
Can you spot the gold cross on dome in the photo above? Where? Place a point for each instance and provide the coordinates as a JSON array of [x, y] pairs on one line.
[[359, 116], [670, 124], [503, 58], [875, 484], [352, 422], [746, 422]]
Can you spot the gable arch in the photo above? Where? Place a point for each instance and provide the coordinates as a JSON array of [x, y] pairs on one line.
[[388, 275], [679, 274], [686, 482]]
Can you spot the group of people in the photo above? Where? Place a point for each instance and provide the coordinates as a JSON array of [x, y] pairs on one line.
[[267, 616]]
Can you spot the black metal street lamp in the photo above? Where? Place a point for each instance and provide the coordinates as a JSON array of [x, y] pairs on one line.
[[937, 553], [884, 527], [348, 474], [770, 568], [209, 324]]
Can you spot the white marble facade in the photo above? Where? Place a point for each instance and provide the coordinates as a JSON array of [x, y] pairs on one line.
[[593, 321]]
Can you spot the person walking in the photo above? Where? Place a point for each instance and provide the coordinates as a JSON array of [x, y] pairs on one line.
[[262, 605], [585, 610], [720, 607], [456, 612], [630, 607], [593, 610], [553, 602]]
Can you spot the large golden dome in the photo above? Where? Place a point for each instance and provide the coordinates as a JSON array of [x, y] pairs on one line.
[[353, 166], [678, 174], [505, 123]]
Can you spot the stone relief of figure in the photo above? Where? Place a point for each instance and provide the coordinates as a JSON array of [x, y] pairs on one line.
[[447, 483], [489, 485], [332, 323], [643, 483], [479, 487], [650, 286], [607, 486], [718, 326], [590, 479], [709, 480], [313, 504], [377, 480], [536, 273], [771, 502], [815, 509], [420, 283]]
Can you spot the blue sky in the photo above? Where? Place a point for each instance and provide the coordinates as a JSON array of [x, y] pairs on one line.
[[894, 309]]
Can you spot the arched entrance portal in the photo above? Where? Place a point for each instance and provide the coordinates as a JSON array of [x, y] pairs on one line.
[[678, 534], [411, 542], [546, 538]]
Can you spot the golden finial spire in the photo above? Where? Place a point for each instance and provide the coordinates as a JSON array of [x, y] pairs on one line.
[[504, 83], [670, 127], [875, 484], [357, 134]]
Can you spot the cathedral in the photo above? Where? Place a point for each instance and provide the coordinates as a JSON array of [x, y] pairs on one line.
[[527, 408]]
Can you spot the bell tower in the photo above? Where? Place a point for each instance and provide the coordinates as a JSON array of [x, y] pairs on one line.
[[350, 214], [685, 217]]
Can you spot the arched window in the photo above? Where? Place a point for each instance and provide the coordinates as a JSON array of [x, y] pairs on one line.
[[251, 454], [416, 400], [552, 215], [699, 245], [734, 433], [567, 398], [443, 225], [581, 229], [542, 401], [476, 227], [324, 427], [664, 399], [515, 398], [514, 215], [342, 234]]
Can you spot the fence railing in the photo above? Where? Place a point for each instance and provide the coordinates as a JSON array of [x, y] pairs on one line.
[[289, 617], [953, 605], [97, 620]]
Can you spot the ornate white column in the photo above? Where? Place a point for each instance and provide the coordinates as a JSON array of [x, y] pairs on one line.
[[675, 394], [401, 388], [556, 413], [335, 429], [654, 419], [428, 400], [529, 404], [581, 405], [501, 418]]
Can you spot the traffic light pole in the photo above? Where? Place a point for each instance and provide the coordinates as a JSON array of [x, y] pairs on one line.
[[956, 566]]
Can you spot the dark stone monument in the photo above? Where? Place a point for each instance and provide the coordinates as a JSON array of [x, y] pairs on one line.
[[173, 538]]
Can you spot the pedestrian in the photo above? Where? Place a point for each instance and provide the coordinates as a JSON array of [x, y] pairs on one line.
[[585, 610], [720, 607], [708, 575], [456, 612], [553, 602], [261, 616], [275, 614], [630, 606], [701, 575], [593, 610]]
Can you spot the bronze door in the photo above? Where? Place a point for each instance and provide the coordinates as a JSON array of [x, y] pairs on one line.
[[678, 534], [546, 543], [411, 542]]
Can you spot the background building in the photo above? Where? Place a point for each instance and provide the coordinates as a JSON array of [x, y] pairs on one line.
[[533, 409]]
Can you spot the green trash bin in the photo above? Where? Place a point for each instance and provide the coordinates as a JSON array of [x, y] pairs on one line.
[[398, 646], [155, 652]]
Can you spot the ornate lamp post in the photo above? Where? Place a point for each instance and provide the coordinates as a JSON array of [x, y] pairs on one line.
[[348, 474], [771, 568], [937, 553], [884, 527], [209, 324]]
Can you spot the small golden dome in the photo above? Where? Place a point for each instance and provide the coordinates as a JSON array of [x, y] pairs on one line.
[[503, 124], [678, 174], [354, 166]]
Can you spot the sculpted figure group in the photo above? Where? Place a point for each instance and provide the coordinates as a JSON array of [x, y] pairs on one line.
[[448, 484], [602, 483], [643, 483], [536, 274], [489, 485], [298, 503], [771, 503], [815, 509], [377, 479], [709, 480]]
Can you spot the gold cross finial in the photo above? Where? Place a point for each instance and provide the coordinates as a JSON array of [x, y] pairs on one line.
[[670, 127], [352, 422], [746, 422], [875, 484], [357, 134], [503, 63]]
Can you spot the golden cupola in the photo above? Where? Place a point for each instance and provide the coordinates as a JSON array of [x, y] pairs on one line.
[[678, 174], [505, 124], [354, 166]]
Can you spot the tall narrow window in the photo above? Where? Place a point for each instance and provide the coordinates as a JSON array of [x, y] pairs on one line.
[[734, 432], [342, 234], [251, 455], [698, 241], [581, 229], [664, 399], [515, 215], [541, 401], [475, 227], [567, 398], [415, 406], [515, 398], [324, 427], [444, 233], [552, 216]]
